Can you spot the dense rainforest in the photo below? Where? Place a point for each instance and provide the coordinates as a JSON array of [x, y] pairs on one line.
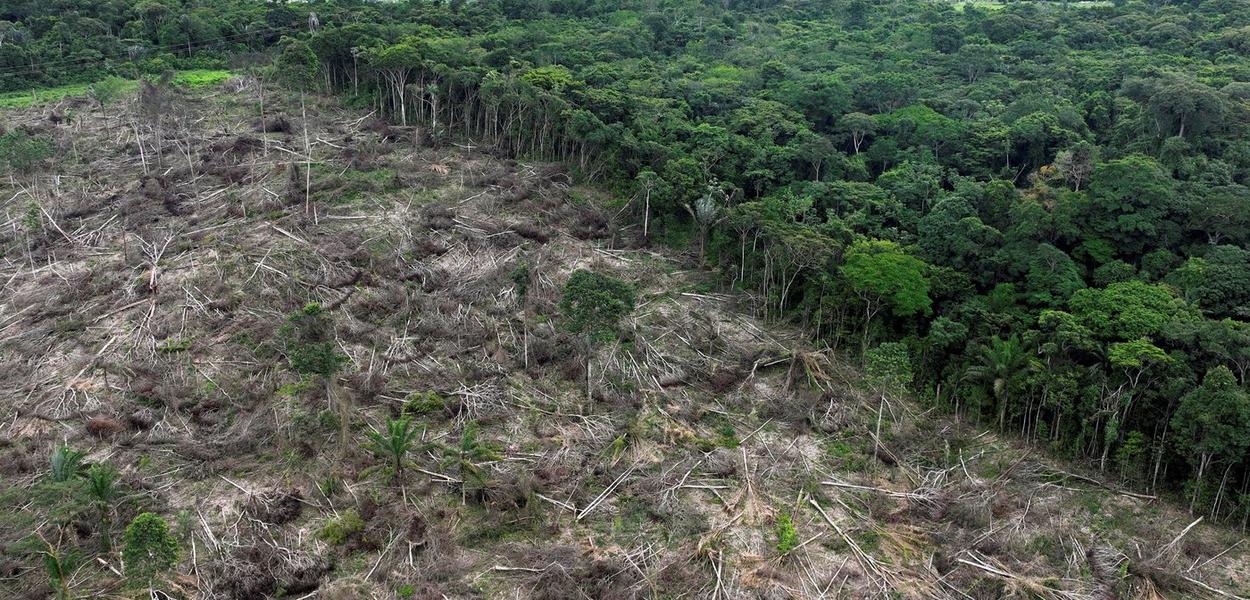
[[1038, 211]]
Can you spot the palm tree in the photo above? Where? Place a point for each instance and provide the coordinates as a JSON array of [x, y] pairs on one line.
[[102, 490], [66, 463], [466, 456], [60, 566], [998, 364], [394, 444]]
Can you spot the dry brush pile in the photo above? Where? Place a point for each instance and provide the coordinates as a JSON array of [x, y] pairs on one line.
[[243, 313]]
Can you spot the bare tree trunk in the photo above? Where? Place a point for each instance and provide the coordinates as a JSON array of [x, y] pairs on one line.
[[646, 214], [308, 209], [142, 155], [1219, 495], [1202, 468]]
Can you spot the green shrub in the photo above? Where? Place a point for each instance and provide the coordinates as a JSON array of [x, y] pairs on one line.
[[149, 548], [424, 403], [593, 303], [309, 344], [787, 536], [22, 152], [339, 530]]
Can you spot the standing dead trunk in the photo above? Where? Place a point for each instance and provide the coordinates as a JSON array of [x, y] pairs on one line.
[[1202, 469]]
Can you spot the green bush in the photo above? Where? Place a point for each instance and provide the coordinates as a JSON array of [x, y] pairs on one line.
[[787, 536], [593, 303], [308, 342], [149, 550], [22, 152], [339, 530]]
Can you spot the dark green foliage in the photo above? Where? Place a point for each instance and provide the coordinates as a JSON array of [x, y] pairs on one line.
[[23, 153], [521, 278], [308, 342], [1213, 423], [149, 549], [60, 565], [296, 65], [593, 303]]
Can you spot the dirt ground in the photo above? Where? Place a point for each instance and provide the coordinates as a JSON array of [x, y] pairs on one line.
[[149, 269]]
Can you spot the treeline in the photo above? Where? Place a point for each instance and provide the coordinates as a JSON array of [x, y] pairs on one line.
[[1045, 204]]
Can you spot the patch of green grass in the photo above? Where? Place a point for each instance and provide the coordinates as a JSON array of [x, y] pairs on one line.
[[337, 531], [197, 78], [632, 516], [1048, 546], [847, 457], [174, 345], [192, 79], [291, 390], [503, 529], [869, 541], [345, 187]]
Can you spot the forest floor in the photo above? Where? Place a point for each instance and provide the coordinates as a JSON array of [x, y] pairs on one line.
[[139, 319]]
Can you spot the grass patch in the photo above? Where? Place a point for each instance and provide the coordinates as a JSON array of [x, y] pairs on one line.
[[340, 188], [337, 531], [192, 79]]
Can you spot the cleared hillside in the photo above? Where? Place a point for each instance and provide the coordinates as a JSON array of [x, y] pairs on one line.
[[146, 320]]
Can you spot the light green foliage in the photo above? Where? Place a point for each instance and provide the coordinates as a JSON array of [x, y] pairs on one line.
[[1136, 354], [787, 536], [593, 303], [394, 443], [190, 79], [1127, 310], [32, 221], [107, 90], [66, 464], [424, 403], [149, 548], [889, 366], [338, 530], [880, 271]]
